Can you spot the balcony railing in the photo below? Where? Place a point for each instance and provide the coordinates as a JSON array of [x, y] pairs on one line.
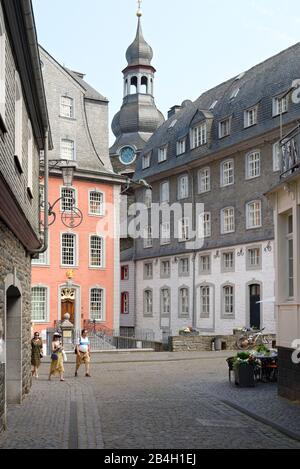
[[290, 153]]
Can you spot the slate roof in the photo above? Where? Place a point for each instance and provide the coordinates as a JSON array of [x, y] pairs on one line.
[[90, 93], [139, 52], [259, 85]]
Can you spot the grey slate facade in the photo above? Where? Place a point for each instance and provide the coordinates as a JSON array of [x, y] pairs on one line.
[[19, 193]]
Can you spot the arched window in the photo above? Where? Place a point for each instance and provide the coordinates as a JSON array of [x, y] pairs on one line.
[[133, 85], [144, 85]]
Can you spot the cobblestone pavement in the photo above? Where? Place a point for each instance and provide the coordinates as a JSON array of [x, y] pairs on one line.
[[151, 401]]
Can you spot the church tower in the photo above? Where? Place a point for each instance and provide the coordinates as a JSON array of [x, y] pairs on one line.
[[138, 117]]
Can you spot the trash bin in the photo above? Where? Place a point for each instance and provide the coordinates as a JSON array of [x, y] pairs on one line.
[[218, 344]]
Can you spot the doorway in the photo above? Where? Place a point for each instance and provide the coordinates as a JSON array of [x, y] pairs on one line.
[[68, 304], [255, 306], [13, 341]]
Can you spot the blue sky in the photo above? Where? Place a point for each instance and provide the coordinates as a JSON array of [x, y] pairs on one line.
[[197, 44]]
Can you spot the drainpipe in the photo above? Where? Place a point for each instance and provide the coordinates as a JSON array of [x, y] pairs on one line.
[[46, 198]]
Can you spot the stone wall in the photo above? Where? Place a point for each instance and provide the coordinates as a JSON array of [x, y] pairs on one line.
[[203, 343], [289, 375], [2, 391], [13, 257]]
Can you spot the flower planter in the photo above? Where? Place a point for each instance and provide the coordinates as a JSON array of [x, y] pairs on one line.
[[244, 376]]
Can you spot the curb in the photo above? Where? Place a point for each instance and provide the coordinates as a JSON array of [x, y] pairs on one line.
[[270, 423]]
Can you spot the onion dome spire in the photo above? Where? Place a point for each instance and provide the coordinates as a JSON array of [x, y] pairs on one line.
[[139, 52]]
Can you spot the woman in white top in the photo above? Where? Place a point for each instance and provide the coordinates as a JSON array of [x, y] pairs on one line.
[[83, 353]]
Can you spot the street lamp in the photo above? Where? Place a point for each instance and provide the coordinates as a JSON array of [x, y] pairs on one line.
[[72, 217]]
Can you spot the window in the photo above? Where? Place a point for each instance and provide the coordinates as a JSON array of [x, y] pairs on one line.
[[227, 173], [165, 302], [224, 128], [67, 107], [205, 301], [18, 118], [253, 215], [204, 180], [277, 157], [250, 117], [234, 93], [181, 147], [67, 149], [148, 198], [165, 269], [148, 303], [228, 261], [125, 272], [2, 69], [165, 233], [148, 238], [146, 161], [30, 159], [184, 310], [164, 192], [205, 225], [228, 301], [96, 251], [253, 165], [124, 303], [280, 105], [148, 271], [213, 105], [227, 220], [290, 252], [97, 304], [96, 203], [184, 267], [205, 264], [162, 154], [43, 258], [68, 250], [39, 304], [254, 258], [68, 199], [199, 135], [183, 187], [184, 229]]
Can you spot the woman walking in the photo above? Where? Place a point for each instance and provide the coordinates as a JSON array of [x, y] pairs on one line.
[[57, 362], [36, 354], [83, 353]]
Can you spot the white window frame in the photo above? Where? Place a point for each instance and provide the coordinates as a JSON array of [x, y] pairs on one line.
[[225, 267], [45, 257], [148, 305], [227, 173], [2, 66], [202, 270], [198, 135], [184, 262], [76, 250], [103, 303], [165, 233], [206, 308], [181, 146], [146, 161], [226, 315], [65, 106], [225, 223], [165, 312], [251, 226], [162, 154], [18, 119], [205, 225], [181, 313], [102, 260], [148, 270], [101, 213], [225, 127], [71, 189], [62, 155], [148, 240], [250, 117], [204, 180], [250, 165], [249, 265], [148, 197], [183, 188], [164, 274], [277, 157], [47, 304], [165, 192], [280, 105], [125, 294], [183, 229]]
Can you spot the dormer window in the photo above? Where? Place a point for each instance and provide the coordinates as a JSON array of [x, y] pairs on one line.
[[162, 154], [181, 147], [213, 105], [250, 117], [280, 105], [199, 135], [146, 161], [234, 93], [224, 128]]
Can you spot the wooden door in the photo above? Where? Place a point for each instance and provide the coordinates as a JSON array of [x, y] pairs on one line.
[[68, 306]]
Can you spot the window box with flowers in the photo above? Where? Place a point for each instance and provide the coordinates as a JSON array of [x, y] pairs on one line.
[[246, 368]]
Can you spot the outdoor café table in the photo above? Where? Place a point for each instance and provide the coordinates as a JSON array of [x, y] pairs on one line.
[[269, 367]]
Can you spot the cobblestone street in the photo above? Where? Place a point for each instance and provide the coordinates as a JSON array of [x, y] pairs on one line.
[[150, 401]]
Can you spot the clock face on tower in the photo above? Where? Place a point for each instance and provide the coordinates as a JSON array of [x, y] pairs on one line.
[[127, 155]]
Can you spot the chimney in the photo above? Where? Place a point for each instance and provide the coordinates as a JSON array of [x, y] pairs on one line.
[[174, 111]]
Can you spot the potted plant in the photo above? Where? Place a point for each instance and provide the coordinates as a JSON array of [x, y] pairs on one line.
[[245, 366]]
